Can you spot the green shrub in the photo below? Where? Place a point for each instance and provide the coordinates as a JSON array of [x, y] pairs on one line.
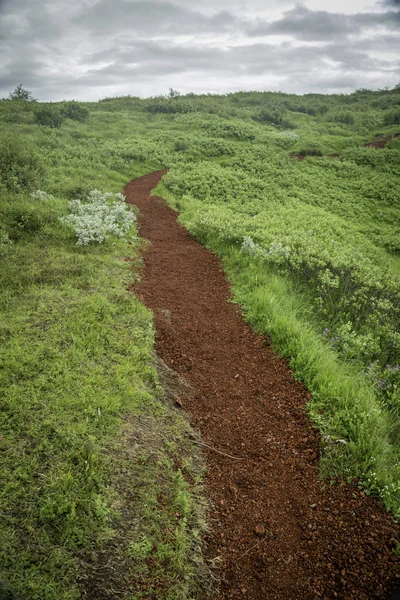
[[24, 221], [301, 108], [20, 167], [274, 117], [18, 112], [311, 151], [392, 117], [344, 117], [49, 117], [181, 145], [163, 106], [73, 110]]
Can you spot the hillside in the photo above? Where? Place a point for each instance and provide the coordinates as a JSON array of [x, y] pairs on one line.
[[299, 197]]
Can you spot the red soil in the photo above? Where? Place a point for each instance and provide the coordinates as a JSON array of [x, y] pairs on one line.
[[380, 141], [277, 531]]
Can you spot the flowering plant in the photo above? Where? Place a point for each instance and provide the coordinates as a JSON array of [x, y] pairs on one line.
[[102, 215], [40, 195]]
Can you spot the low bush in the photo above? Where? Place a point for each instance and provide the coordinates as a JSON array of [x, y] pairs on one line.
[[99, 217], [20, 167], [181, 145], [76, 112], [392, 117], [312, 151], [344, 117], [49, 117], [274, 117]]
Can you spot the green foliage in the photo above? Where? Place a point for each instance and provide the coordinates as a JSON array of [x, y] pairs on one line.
[[75, 111], [219, 127], [302, 107], [21, 94], [392, 117], [312, 151], [165, 106], [181, 145], [344, 116], [274, 117], [49, 117], [20, 166]]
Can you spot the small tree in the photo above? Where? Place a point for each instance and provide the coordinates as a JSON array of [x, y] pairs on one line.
[[21, 94], [173, 93]]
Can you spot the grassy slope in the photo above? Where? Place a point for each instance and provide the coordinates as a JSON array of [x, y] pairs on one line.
[[78, 387]]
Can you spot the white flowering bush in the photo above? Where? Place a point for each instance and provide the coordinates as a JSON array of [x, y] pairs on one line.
[[99, 217], [249, 247], [40, 195]]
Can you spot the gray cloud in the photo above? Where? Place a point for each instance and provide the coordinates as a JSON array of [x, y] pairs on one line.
[[90, 49], [305, 24], [143, 17], [395, 3]]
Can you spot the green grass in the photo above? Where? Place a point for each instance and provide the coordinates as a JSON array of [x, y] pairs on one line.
[[78, 383]]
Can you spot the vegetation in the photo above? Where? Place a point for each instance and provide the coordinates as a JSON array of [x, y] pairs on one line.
[[49, 117], [20, 166], [21, 93], [74, 111], [93, 455], [311, 247]]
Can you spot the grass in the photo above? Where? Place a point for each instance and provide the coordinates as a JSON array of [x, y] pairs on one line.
[[77, 380]]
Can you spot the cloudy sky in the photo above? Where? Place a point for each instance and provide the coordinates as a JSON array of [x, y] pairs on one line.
[[90, 49]]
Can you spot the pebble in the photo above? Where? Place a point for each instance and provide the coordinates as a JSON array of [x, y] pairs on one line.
[[260, 529]]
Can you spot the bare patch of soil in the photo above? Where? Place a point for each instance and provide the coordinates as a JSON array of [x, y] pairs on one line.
[[277, 531], [381, 140]]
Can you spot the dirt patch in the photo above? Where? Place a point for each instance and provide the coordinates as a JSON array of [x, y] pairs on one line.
[[381, 140], [277, 531], [174, 386]]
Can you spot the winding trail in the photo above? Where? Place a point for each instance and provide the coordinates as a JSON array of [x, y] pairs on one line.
[[277, 532]]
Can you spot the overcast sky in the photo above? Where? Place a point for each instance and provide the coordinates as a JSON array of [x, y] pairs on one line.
[[90, 49]]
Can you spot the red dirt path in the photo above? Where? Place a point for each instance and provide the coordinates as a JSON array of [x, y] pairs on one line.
[[278, 532]]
